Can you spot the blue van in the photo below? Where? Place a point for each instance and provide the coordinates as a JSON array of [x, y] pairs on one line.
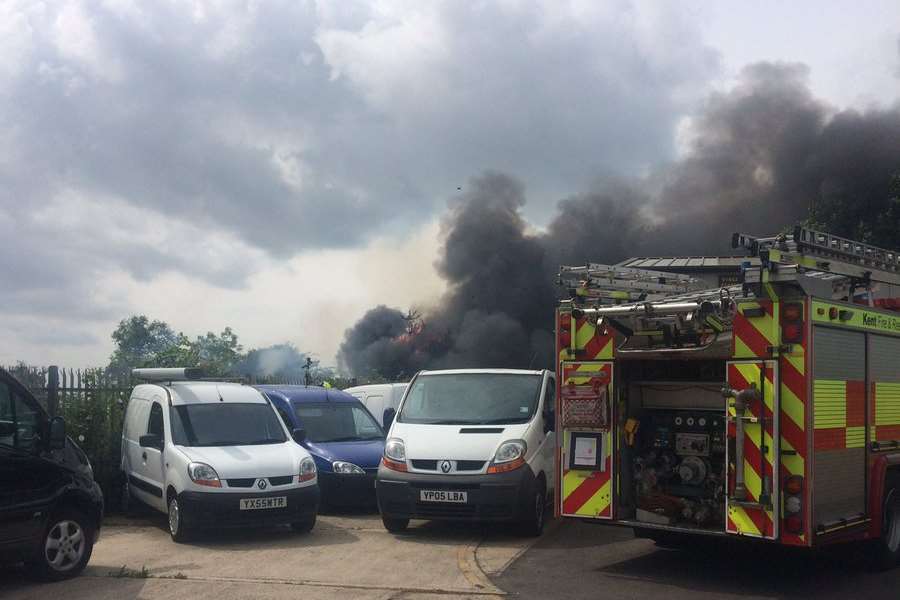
[[343, 438]]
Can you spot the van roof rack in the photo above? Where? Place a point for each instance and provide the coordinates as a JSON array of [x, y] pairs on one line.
[[169, 374]]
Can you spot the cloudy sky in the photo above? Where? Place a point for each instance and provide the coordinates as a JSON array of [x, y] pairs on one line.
[[280, 167]]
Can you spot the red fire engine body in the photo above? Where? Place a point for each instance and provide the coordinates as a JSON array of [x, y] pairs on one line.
[[765, 405]]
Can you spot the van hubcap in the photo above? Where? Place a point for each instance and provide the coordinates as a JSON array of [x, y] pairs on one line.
[[174, 517], [64, 547]]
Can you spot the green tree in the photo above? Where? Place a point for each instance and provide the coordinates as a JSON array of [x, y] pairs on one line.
[[141, 342], [219, 355]]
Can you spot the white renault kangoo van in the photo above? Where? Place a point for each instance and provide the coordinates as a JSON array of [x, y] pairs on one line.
[[213, 454]]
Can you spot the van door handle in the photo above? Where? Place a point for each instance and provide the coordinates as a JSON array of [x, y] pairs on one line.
[[144, 455]]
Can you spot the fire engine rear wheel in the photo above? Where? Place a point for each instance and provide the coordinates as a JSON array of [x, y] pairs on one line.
[[887, 547]]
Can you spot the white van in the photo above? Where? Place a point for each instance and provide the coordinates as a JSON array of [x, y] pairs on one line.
[[379, 397], [213, 454], [473, 444]]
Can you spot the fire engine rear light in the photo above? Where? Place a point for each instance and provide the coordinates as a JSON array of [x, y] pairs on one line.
[[792, 333], [792, 505], [794, 524], [793, 485], [792, 323], [832, 313], [793, 312]]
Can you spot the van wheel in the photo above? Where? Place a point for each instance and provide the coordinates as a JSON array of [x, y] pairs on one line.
[[304, 526], [178, 528], [395, 525], [886, 551], [65, 547], [533, 524]]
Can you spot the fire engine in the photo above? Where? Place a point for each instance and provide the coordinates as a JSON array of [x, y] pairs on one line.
[[753, 396]]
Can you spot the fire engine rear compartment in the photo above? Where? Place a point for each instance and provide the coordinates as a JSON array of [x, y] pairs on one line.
[[672, 467]]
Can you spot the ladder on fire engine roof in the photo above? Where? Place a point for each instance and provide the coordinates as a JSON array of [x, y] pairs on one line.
[[813, 253], [809, 251], [609, 284]]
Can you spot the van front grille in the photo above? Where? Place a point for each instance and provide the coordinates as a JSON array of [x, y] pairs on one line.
[[461, 465], [469, 465], [241, 483], [246, 482]]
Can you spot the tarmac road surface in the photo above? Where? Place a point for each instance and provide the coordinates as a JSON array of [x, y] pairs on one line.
[[345, 556], [352, 556], [580, 560]]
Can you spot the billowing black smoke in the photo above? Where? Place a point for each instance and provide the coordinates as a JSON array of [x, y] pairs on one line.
[[763, 157]]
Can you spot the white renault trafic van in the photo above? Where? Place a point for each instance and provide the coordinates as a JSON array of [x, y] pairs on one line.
[[213, 454], [475, 444]]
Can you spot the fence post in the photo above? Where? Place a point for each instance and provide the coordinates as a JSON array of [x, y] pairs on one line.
[[52, 390]]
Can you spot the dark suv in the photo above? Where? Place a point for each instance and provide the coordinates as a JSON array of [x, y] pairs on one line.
[[50, 505]]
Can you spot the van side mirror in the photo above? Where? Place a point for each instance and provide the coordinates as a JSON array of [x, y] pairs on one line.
[[57, 439], [549, 421], [299, 435], [387, 419], [151, 441]]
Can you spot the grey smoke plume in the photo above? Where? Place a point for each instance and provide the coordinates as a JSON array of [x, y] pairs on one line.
[[764, 156]]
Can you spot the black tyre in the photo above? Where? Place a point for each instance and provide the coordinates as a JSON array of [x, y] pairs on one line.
[[304, 526], [65, 547], [886, 549], [179, 527], [533, 524], [395, 525]]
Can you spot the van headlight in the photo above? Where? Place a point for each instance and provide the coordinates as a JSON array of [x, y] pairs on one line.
[[509, 456], [307, 469], [346, 468], [395, 450], [203, 474]]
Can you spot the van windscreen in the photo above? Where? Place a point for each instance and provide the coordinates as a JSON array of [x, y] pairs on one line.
[[471, 399], [225, 424], [337, 422]]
